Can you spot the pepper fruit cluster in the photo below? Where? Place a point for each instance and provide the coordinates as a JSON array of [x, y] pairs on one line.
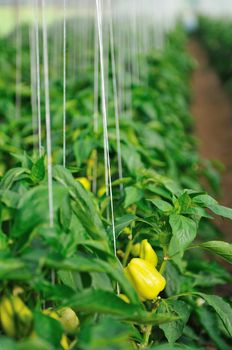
[[142, 272], [16, 318]]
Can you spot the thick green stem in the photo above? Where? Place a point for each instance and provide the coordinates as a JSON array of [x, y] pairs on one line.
[[146, 338], [127, 253]]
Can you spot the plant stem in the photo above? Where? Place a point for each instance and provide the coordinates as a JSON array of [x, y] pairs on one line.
[[164, 262], [127, 252], [187, 294], [146, 338], [163, 266]]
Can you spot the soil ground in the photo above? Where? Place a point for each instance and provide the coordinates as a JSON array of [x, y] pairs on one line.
[[212, 110]]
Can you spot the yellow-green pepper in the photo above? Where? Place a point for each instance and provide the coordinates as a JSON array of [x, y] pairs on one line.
[[85, 182], [147, 253], [147, 281], [16, 317], [68, 319]]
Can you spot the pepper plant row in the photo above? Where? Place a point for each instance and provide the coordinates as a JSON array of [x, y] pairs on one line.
[[62, 287], [215, 35]]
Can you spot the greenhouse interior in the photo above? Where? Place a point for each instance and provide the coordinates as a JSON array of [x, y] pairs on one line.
[[115, 174]]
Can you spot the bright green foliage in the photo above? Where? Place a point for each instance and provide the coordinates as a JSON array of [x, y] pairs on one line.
[[72, 263]]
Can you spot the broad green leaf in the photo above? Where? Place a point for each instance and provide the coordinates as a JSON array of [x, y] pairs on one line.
[[33, 208], [82, 149], [131, 158], [38, 170], [122, 222], [133, 195], [11, 269], [184, 231], [101, 280], [93, 336], [3, 242], [173, 330], [221, 210], [11, 176], [48, 329], [51, 292], [9, 198], [66, 212], [161, 191], [82, 205], [105, 302], [173, 278], [90, 264], [222, 308], [7, 344], [35, 344], [163, 206], [208, 202], [221, 248], [184, 201], [210, 324]]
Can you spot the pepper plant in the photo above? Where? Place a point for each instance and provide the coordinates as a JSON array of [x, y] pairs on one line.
[[62, 287]]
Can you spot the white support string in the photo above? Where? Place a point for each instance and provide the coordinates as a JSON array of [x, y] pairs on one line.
[[33, 83], [96, 95], [64, 85], [115, 92], [96, 78], [18, 77], [104, 115], [36, 24], [47, 117]]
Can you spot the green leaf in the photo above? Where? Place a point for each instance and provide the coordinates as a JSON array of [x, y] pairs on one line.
[[33, 208], [222, 308], [131, 158], [3, 242], [38, 170], [210, 324], [93, 336], [90, 264], [161, 191], [10, 177], [105, 302], [82, 149], [66, 212], [163, 206], [184, 231], [9, 198], [11, 269], [173, 330], [48, 329], [82, 205], [133, 195], [7, 344], [220, 248], [35, 344], [208, 202], [122, 222]]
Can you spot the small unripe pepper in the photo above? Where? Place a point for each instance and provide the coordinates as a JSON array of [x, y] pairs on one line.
[[147, 281], [147, 253], [101, 191], [68, 319], [124, 298], [64, 342], [85, 182], [135, 250]]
